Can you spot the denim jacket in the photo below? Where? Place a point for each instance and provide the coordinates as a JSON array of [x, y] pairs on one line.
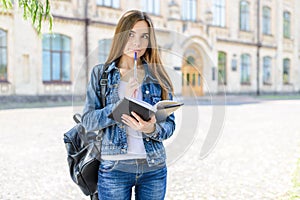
[[95, 117]]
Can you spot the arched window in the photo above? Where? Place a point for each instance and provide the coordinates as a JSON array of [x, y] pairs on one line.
[[190, 60], [104, 48], [266, 20], [199, 79], [219, 15], [245, 69], [56, 58], [267, 66], [3, 55], [244, 16], [187, 79], [221, 68], [286, 70], [286, 24]]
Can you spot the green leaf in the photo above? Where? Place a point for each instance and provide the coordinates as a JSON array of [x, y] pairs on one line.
[[34, 14]]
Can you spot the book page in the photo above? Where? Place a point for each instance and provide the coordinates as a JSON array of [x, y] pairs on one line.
[[143, 103], [162, 114], [167, 103]]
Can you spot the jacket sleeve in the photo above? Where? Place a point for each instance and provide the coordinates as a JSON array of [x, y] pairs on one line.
[[95, 117], [165, 129]]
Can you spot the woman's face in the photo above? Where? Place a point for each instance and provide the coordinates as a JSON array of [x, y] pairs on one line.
[[138, 40]]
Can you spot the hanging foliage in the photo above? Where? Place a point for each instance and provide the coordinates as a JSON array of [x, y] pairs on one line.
[[35, 10]]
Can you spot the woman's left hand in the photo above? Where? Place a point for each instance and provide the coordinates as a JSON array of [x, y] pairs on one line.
[[138, 124]]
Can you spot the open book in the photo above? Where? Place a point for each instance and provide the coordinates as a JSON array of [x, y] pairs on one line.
[[161, 109]]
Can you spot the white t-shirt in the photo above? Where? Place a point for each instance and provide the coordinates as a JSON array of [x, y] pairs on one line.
[[136, 148]]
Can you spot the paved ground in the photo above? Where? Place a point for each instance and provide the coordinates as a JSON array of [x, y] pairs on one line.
[[254, 158]]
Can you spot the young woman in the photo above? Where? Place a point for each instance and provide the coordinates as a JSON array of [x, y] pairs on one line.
[[132, 153]]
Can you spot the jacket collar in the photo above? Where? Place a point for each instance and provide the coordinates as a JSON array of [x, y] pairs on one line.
[[110, 67]]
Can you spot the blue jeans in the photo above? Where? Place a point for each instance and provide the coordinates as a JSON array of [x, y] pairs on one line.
[[116, 179]]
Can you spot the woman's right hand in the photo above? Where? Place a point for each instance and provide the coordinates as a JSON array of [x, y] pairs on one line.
[[131, 88]]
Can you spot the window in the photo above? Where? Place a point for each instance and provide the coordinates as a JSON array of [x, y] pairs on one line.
[[190, 60], [151, 6], [182, 79], [187, 79], [109, 3], [104, 48], [189, 10], [56, 58], [286, 24], [3, 55], [194, 80], [266, 20], [267, 66], [244, 16], [219, 13], [286, 70], [222, 68], [199, 79], [245, 69]]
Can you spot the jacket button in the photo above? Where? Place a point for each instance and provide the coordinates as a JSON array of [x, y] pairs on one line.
[[147, 139], [152, 160], [147, 92]]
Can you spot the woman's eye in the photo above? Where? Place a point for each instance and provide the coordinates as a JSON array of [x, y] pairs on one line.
[[131, 34], [145, 36]]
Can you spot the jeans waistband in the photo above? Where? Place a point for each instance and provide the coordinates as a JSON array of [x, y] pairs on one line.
[[136, 166]]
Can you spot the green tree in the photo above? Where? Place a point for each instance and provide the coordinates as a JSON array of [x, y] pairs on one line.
[[34, 10]]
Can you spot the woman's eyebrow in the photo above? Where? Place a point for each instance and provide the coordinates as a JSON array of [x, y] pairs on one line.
[[132, 31]]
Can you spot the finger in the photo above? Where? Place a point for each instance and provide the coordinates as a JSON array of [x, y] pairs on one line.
[[128, 123], [124, 116], [153, 119], [125, 122], [138, 118], [130, 120]]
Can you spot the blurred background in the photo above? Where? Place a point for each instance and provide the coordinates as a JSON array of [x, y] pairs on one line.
[[250, 47], [244, 53]]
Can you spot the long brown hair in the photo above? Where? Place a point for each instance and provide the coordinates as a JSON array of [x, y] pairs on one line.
[[152, 57]]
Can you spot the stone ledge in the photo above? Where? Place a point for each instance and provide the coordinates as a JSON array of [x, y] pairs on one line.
[[33, 101]]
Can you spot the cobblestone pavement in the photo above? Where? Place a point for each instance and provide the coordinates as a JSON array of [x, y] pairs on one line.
[[254, 158]]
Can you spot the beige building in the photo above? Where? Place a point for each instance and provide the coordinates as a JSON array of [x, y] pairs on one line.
[[237, 46]]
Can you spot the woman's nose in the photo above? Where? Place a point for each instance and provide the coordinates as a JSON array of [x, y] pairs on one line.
[[137, 42]]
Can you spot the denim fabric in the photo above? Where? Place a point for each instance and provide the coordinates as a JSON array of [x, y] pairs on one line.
[[114, 134], [116, 179]]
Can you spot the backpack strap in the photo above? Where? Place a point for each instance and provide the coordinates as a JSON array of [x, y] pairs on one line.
[[77, 118], [103, 84]]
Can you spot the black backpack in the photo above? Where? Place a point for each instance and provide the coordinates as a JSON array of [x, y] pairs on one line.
[[84, 150]]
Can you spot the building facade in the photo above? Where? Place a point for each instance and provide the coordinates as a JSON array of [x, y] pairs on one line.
[[217, 46]]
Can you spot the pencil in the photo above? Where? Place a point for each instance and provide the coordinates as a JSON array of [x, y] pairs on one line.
[[135, 67]]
